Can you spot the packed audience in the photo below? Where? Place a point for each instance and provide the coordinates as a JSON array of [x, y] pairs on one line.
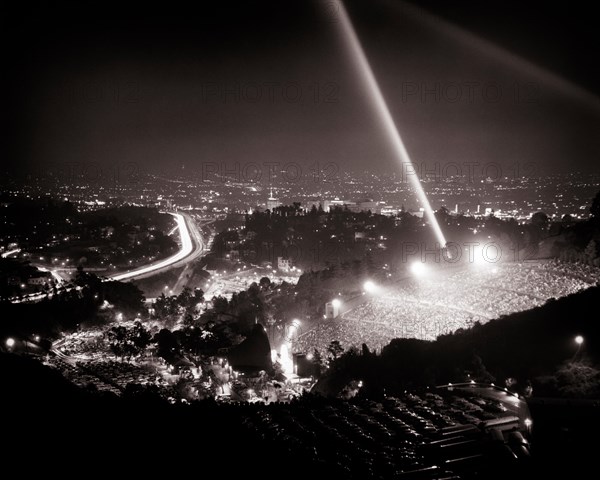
[[441, 302]]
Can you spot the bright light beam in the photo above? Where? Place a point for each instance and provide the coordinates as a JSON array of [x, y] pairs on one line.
[[382, 109]]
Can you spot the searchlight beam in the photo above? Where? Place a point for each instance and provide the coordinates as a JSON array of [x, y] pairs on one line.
[[383, 111]]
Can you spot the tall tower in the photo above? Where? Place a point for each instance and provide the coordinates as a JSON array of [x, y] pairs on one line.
[[272, 202]]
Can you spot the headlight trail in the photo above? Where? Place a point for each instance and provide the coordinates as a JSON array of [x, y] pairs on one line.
[[186, 248], [383, 111]]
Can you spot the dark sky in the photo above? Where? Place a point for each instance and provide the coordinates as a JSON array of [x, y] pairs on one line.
[[273, 82]]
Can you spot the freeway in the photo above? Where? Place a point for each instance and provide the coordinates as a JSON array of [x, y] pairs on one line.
[[190, 250], [192, 246]]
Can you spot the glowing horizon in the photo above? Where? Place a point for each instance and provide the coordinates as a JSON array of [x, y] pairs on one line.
[[383, 111]]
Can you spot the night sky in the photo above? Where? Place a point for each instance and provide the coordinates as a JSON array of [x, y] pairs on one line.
[[273, 82]]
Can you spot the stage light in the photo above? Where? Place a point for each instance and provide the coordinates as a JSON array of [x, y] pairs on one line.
[[418, 268], [369, 286]]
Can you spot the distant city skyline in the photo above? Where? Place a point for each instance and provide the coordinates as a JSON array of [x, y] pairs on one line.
[[517, 196]]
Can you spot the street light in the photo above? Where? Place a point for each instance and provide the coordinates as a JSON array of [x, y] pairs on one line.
[[369, 286], [336, 302], [579, 341], [10, 342]]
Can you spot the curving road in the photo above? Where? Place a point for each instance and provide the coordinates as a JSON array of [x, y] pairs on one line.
[[192, 246], [190, 250]]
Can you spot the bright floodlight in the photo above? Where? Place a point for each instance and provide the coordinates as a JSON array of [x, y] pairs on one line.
[[479, 258], [336, 302], [10, 342], [369, 286], [578, 339], [286, 362], [418, 268]]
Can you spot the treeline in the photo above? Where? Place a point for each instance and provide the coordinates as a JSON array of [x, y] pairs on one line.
[[314, 239]]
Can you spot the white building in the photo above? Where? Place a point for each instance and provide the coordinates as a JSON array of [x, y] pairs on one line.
[[284, 263]]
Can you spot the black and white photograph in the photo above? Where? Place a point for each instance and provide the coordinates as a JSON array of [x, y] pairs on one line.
[[340, 239]]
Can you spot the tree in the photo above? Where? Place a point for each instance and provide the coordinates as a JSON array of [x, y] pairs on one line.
[[198, 296], [478, 371], [567, 220], [443, 215], [140, 336], [540, 220], [117, 337], [591, 251], [161, 306], [167, 344], [595, 208], [579, 380], [128, 342], [220, 304], [334, 350], [124, 296], [317, 363], [185, 298]]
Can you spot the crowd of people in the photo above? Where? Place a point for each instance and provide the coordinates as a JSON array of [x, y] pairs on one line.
[[442, 302]]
